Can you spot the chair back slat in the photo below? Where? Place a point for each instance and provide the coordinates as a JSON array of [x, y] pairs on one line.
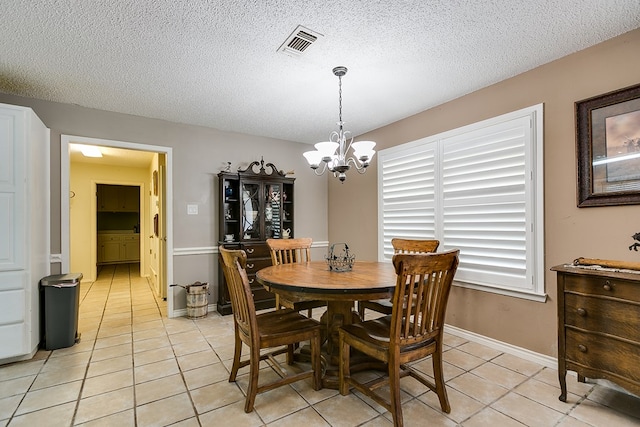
[[234, 267], [286, 251], [421, 294]]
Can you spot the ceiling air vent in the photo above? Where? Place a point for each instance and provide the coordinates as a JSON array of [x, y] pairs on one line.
[[299, 41]]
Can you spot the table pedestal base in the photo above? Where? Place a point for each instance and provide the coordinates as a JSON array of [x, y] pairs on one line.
[[341, 313]]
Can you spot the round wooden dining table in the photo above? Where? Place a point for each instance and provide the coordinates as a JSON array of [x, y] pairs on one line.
[[313, 281]]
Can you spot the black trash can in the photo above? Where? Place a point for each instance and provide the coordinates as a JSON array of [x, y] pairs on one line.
[[60, 304]]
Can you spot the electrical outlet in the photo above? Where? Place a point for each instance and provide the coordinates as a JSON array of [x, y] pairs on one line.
[[192, 209]]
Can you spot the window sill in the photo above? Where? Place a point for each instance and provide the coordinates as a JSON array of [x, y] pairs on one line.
[[529, 295]]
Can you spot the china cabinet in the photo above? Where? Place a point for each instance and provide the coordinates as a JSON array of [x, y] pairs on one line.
[[255, 204], [598, 326]]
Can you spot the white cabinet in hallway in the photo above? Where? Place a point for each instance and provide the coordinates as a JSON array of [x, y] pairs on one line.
[[24, 228], [108, 248], [114, 248]]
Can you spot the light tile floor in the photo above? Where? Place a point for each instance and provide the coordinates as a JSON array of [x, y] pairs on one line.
[[136, 367]]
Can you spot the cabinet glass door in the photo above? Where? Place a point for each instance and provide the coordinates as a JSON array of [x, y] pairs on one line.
[[273, 211], [250, 211], [231, 222]]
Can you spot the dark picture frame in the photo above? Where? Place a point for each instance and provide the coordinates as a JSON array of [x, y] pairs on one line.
[[155, 225], [608, 148]]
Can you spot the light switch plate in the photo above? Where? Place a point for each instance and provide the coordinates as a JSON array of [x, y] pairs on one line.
[[192, 209]]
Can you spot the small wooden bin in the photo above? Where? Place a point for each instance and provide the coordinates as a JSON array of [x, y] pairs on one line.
[[197, 300]]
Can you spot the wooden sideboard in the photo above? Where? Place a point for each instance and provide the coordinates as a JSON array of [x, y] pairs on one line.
[[598, 326]]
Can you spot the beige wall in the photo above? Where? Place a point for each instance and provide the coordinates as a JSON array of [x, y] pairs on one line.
[[603, 232]]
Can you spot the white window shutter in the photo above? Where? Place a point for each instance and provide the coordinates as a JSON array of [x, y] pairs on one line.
[[478, 189], [484, 203], [408, 195]]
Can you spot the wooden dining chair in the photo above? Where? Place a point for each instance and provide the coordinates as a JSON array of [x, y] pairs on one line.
[[277, 330], [413, 331], [286, 251], [408, 246]]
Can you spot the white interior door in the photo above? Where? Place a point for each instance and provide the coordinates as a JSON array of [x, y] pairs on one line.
[[24, 228], [162, 228]]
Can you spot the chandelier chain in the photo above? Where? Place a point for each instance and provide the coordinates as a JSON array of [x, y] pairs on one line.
[[340, 100]]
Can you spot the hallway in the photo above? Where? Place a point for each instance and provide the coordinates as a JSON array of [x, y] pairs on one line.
[[135, 367]]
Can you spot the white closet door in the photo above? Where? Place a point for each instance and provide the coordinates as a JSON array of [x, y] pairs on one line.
[[13, 301], [24, 227], [12, 191]]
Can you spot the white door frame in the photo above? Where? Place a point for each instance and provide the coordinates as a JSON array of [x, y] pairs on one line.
[[64, 199]]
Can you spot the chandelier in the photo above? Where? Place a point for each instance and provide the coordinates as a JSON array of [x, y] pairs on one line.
[[332, 154]]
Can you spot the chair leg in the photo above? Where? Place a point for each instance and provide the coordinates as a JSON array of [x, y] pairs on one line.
[[361, 310], [316, 362], [394, 386], [438, 376], [345, 369], [290, 350], [254, 369], [237, 353]]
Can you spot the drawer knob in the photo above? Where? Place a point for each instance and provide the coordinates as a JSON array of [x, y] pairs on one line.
[[251, 281], [607, 286], [250, 265], [250, 250], [581, 312], [582, 348]]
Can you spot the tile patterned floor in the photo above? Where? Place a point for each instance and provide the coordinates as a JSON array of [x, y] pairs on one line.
[[136, 367]]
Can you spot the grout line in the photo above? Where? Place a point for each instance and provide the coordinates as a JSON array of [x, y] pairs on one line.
[[86, 371], [133, 362]]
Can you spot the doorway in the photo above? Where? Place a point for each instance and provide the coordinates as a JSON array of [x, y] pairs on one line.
[[119, 162], [118, 224]]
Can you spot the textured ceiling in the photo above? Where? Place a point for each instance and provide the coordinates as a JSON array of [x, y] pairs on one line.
[[215, 63]]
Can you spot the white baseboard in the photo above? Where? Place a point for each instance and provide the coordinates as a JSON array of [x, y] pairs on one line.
[[541, 359]]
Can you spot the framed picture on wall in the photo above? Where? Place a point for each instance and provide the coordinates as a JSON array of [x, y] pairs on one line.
[[608, 148], [155, 225]]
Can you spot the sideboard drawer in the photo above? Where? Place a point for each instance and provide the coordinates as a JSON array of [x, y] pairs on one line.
[[256, 250], [615, 357], [603, 286], [619, 318], [253, 265], [260, 293]]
